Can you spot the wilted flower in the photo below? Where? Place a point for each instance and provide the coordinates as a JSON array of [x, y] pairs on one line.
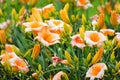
[[117, 7], [56, 60], [118, 36], [94, 20], [94, 38], [108, 32], [96, 71], [77, 41], [84, 3], [47, 38], [2, 37], [35, 75], [59, 75], [4, 25]]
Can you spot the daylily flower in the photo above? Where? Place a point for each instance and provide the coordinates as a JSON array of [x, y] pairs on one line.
[[84, 3], [77, 41], [34, 26], [15, 62], [18, 64], [47, 10], [94, 38], [47, 38], [107, 32], [56, 26], [96, 71]]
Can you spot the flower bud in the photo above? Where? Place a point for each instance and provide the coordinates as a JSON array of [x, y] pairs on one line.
[[114, 18], [2, 37], [97, 56], [36, 51]]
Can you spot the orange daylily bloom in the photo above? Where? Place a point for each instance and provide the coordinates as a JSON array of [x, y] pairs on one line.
[[107, 32], [47, 10], [77, 41], [15, 62], [34, 26], [84, 3], [55, 26], [47, 38], [94, 38], [96, 71], [18, 64]]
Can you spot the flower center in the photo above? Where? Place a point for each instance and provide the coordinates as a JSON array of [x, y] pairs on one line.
[[20, 63], [78, 40], [95, 70], [94, 37]]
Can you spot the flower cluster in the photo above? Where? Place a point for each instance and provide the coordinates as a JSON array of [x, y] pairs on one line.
[[60, 39]]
